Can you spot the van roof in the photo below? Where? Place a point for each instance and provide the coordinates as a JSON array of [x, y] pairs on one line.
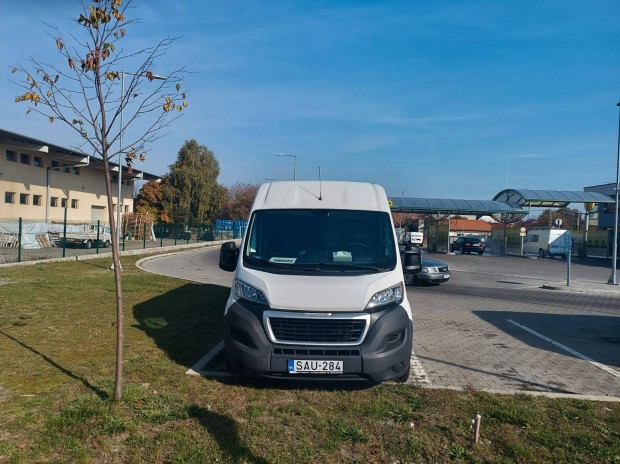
[[321, 195]]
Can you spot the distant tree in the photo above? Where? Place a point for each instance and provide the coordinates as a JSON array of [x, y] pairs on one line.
[[82, 89], [191, 191], [150, 200], [548, 217], [239, 201]]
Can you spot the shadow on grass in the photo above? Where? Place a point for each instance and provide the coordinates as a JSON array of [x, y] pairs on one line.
[[185, 322], [97, 391], [224, 431]]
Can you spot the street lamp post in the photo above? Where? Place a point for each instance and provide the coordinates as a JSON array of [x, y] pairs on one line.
[[614, 259], [294, 165], [400, 225], [120, 151]]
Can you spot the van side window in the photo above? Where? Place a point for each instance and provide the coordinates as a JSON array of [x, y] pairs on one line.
[[534, 238]]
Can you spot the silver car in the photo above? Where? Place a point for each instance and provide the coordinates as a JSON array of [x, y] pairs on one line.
[[433, 272]]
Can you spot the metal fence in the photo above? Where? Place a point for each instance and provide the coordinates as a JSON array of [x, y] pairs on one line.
[[22, 240]]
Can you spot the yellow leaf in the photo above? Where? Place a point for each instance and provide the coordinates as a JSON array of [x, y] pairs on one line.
[[184, 104], [49, 94], [28, 112], [178, 86], [179, 108], [51, 119], [168, 100], [18, 99], [14, 70]]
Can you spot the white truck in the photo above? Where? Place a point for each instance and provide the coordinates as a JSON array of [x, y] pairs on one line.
[[87, 236], [318, 288], [545, 242]]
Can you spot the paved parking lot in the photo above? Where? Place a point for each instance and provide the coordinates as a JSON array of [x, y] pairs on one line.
[[492, 327]]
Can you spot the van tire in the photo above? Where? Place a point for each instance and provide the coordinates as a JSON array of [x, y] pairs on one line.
[[106, 244], [409, 278], [88, 245], [405, 376], [541, 253]]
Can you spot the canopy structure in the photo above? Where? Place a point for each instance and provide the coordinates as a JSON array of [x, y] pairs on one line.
[[449, 206], [550, 198]]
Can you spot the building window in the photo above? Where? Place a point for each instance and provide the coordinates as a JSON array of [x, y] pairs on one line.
[[55, 164], [66, 168], [37, 200], [75, 171], [63, 202], [37, 161], [74, 204], [24, 158], [54, 202], [9, 197], [126, 208], [24, 199], [11, 156]]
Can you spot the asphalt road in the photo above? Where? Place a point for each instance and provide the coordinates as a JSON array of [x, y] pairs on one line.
[[492, 326]]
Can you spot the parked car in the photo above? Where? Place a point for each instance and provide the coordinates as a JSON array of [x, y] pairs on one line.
[[467, 245], [433, 272]]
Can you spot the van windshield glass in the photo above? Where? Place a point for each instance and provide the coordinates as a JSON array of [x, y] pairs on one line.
[[303, 240]]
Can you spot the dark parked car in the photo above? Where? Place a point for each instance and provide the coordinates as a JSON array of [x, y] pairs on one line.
[[433, 272], [468, 245]]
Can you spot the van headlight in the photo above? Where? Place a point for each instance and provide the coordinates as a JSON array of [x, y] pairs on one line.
[[390, 296], [247, 292]]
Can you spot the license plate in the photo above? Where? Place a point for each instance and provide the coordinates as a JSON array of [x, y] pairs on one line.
[[309, 366]]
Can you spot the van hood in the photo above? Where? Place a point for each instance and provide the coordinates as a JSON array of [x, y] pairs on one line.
[[346, 293]]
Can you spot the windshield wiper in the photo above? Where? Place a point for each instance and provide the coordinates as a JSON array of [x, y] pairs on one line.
[[271, 263], [346, 267]]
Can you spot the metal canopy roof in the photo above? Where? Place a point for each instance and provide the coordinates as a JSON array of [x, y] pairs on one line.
[[419, 205], [550, 198]]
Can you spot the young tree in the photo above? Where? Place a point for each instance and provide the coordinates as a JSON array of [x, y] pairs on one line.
[[239, 201], [191, 190], [84, 88]]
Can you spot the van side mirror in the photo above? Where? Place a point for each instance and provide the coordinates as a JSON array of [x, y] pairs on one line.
[[228, 256], [412, 260]]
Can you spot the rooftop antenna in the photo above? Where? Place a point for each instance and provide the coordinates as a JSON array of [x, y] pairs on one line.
[[320, 194]]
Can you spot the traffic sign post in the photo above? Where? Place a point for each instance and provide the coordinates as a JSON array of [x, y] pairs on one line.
[[568, 249], [522, 234]]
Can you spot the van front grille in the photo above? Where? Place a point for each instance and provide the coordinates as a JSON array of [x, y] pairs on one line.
[[299, 330]]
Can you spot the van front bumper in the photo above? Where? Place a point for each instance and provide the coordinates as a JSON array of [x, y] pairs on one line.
[[384, 353]]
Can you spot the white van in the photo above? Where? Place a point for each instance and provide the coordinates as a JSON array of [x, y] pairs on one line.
[[545, 242], [318, 288]]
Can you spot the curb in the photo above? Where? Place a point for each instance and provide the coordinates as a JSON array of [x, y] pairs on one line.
[[564, 288], [141, 251]]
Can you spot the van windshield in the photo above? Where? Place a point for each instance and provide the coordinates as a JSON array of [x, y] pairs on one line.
[[326, 241]]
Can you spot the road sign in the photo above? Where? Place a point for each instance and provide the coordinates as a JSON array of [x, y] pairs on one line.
[[558, 222]]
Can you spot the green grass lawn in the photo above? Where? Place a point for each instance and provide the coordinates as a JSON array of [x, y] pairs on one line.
[[57, 348]]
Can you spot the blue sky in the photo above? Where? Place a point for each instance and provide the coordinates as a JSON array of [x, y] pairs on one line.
[[437, 99]]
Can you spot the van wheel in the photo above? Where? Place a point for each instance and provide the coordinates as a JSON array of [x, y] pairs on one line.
[[89, 244], [541, 253], [106, 244], [403, 378], [409, 278]]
